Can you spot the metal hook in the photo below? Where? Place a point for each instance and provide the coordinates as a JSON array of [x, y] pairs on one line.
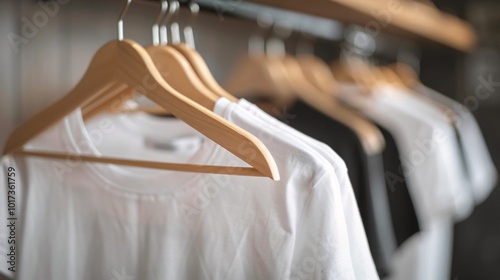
[[172, 11], [175, 33], [156, 26], [274, 40], [155, 32], [188, 30], [257, 42], [120, 20]]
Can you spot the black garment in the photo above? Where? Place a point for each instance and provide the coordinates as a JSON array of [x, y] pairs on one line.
[[403, 213], [366, 174]]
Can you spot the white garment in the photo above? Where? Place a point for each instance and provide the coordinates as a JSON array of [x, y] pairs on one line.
[[426, 254], [364, 267], [133, 129], [97, 221], [434, 174], [428, 149], [481, 170]]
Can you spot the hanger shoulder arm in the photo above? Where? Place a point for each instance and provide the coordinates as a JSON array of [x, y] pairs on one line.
[[176, 70], [202, 70], [35, 125], [231, 137], [128, 63]]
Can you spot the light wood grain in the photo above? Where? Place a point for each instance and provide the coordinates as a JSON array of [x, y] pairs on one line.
[[177, 72], [129, 63], [278, 79], [232, 170], [202, 70], [262, 75]]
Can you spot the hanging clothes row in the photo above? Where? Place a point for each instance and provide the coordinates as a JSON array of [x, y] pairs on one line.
[[293, 169]]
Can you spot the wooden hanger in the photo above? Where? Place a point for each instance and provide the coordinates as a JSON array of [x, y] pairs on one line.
[[283, 75], [203, 72], [197, 62], [117, 103], [403, 77], [323, 101], [114, 103], [389, 76], [355, 71], [407, 75], [92, 107], [315, 84], [262, 76], [318, 73], [126, 62], [175, 69], [191, 73]]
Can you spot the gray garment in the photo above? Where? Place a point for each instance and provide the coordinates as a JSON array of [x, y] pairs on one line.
[[382, 239], [481, 171], [434, 173]]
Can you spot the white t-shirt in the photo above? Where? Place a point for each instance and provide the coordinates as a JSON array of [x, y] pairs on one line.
[[364, 267], [428, 149], [96, 221], [142, 130], [434, 173], [145, 131], [482, 173]]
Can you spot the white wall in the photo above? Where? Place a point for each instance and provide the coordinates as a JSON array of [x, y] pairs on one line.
[[9, 70]]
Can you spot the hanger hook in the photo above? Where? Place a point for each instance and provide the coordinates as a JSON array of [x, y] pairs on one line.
[[188, 30], [172, 11], [120, 20], [175, 33], [156, 26], [155, 32], [274, 40], [257, 42]]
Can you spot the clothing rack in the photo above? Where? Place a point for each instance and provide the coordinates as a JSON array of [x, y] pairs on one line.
[[330, 30], [407, 19]]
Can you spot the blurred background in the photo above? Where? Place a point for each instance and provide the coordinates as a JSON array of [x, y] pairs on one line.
[[45, 63]]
